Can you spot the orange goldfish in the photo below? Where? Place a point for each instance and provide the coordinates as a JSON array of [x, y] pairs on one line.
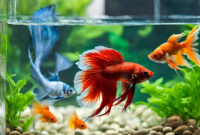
[[171, 51], [75, 122], [101, 69], [46, 115]]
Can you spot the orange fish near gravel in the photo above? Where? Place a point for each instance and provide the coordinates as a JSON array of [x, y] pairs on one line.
[[46, 115], [75, 122], [101, 69], [171, 51]]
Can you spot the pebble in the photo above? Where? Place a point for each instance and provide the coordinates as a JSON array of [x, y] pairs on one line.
[[152, 132], [170, 133], [125, 133], [27, 133], [141, 132], [191, 122], [187, 132], [160, 133], [111, 132], [191, 128], [44, 132], [167, 129], [174, 121], [158, 128], [14, 133], [7, 131], [121, 130], [19, 129], [197, 132], [78, 133], [105, 127], [52, 131], [179, 130]]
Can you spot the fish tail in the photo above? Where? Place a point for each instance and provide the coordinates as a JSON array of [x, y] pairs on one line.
[[90, 82], [190, 43], [37, 108], [72, 121], [43, 37]]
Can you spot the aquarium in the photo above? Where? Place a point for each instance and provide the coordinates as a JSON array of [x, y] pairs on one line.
[[69, 61]]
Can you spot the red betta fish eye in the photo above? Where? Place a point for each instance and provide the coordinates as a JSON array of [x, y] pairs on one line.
[[146, 73], [155, 56]]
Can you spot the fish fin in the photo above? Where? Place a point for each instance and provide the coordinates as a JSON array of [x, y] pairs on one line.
[[99, 58], [62, 63], [45, 106], [175, 38], [40, 93], [181, 61], [43, 37], [58, 98], [54, 77], [72, 120], [172, 64], [37, 108], [42, 119], [189, 44]]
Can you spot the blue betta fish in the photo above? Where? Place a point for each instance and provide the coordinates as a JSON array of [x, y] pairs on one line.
[[43, 40]]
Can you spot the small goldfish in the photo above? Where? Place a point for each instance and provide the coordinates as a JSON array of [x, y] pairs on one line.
[[75, 122], [101, 69], [171, 51], [46, 115]]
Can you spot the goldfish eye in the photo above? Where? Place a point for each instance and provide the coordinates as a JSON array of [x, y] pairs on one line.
[[51, 119], [155, 56], [82, 125], [146, 73]]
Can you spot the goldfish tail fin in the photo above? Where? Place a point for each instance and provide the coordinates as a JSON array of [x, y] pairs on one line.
[[90, 82], [37, 108], [190, 43], [72, 119]]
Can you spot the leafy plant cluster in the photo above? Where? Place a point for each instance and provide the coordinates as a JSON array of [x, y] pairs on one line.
[[182, 99], [17, 102]]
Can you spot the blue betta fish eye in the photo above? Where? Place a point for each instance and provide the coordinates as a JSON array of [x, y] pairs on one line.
[[70, 92]]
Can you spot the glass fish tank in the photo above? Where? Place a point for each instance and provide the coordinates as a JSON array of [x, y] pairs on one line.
[[99, 67]]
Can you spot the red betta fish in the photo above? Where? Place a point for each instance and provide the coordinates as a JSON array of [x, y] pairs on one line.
[[101, 69], [171, 51]]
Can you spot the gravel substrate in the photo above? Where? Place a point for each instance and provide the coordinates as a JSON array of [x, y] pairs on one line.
[[138, 122]]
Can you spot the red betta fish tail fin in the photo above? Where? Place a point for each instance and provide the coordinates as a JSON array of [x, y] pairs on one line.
[[90, 82], [190, 43]]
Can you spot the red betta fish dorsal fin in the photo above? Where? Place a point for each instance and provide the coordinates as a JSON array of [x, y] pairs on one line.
[[98, 58]]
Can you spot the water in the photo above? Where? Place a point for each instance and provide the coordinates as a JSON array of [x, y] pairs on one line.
[[135, 37]]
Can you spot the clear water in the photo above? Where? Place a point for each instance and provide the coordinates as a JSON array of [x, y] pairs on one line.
[[133, 36]]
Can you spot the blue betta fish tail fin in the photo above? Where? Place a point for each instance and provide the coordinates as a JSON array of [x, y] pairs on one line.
[[40, 93], [43, 37], [62, 63]]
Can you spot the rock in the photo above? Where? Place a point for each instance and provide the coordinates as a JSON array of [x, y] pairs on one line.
[[44, 132], [27, 133], [191, 128], [114, 126], [111, 132], [52, 131], [129, 130], [170, 133], [174, 121], [125, 133], [141, 132], [78, 133], [121, 130], [138, 111], [179, 130], [152, 132], [105, 127], [147, 113], [197, 132], [167, 129], [160, 133], [158, 128], [191, 122], [7, 131], [14, 133], [19, 129], [187, 132]]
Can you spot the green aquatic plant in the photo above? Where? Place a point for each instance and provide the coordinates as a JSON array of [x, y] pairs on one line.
[[182, 99], [17, 102]]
